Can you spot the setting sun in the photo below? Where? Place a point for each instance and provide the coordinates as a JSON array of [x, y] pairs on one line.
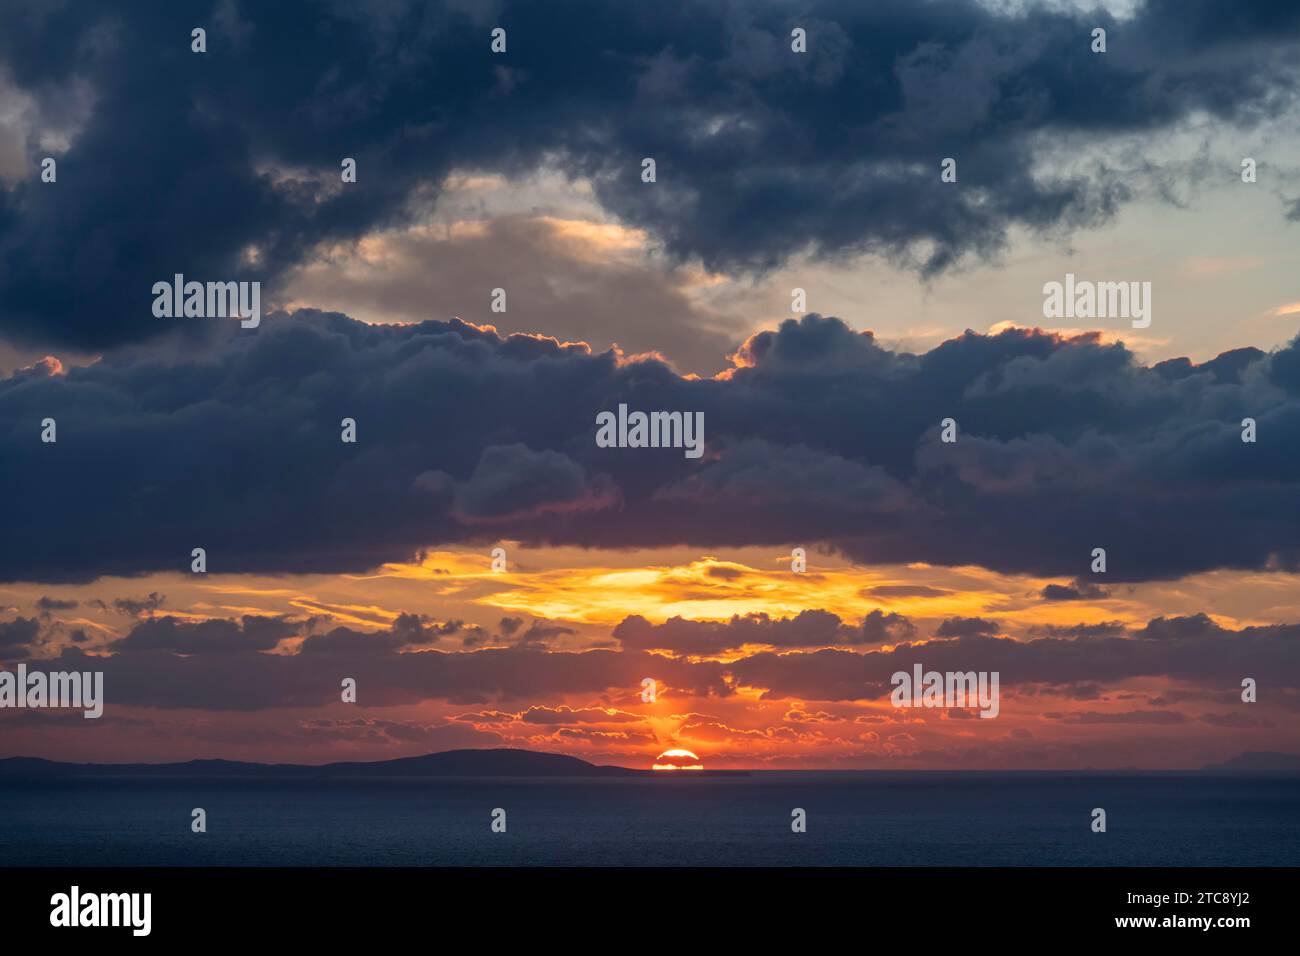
[[677, 759]]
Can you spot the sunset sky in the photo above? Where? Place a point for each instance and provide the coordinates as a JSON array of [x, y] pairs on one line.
[[476, 429]]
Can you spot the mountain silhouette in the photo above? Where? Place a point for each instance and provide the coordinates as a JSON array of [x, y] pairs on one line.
[[502, 762]]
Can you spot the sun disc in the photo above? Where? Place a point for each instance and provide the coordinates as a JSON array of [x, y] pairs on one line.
[[677, 758]]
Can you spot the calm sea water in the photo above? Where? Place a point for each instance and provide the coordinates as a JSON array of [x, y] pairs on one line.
[[860, 819]]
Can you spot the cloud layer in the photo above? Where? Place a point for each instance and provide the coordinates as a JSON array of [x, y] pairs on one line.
[[225, 165], [818, 434], [224, 665]]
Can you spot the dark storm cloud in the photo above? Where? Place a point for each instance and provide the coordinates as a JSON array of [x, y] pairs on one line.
[[204, 637], [1180, 628], [1104, 629], [137, 607], [512, 481], [818, 435], [1078, 591], [807, 629], [407, 631], [47, 604], [966, 627], [180, 162], [415, 630], [19, 634]]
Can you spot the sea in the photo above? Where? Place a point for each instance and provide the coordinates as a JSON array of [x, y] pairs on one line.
[[852, 819]]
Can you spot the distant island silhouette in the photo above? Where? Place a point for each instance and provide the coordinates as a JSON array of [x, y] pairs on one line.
[[501, 762], [1258, 762], [496, 762]]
